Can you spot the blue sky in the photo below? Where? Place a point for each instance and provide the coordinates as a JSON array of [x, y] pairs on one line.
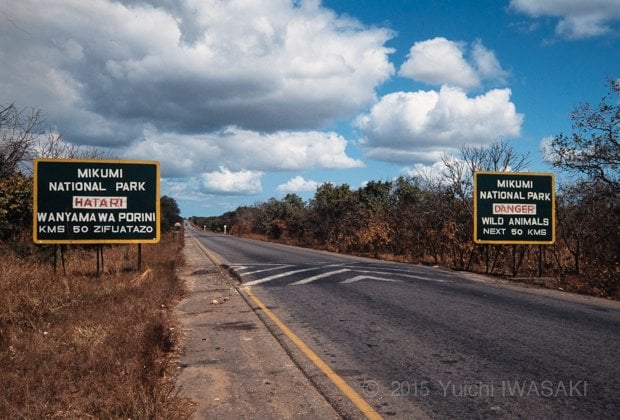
[[244, 100]]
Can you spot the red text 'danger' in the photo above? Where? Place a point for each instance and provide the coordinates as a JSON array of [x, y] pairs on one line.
[[81, 202], [507, 208]]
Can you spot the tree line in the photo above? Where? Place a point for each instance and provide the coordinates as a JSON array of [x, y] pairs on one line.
[[428, 218]]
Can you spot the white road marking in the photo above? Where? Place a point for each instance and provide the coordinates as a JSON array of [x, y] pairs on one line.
[[365, 274], [359, 278], [278, 276], [267, 269], [410, 276], [319, 276]]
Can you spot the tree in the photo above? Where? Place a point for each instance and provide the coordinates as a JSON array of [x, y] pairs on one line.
[[459, 171], [593, 148], [331, 213], [19, 131], [407, 218], [53, 146], [294, 213], [243, 220], [24, 134], [588, 227], [15, 206], [371, 211], [170, 213], [269, 219]]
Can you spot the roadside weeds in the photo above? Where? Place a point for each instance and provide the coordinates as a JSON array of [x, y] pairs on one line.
[[79, 346]]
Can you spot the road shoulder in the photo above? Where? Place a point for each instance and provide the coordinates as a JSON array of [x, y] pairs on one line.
[[230, 365]]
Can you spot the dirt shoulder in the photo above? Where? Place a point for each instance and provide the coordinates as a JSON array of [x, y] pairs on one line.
[[230, 364]]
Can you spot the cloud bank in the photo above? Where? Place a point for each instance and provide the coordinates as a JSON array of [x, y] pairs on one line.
[[577, 18], [107, 71]]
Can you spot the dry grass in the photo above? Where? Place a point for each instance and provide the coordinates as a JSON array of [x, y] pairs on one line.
[[79, 346]]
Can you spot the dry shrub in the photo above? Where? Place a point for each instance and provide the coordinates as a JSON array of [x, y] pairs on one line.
[[76, 345]]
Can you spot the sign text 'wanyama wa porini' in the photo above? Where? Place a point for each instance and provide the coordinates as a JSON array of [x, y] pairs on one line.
[[96, 201]]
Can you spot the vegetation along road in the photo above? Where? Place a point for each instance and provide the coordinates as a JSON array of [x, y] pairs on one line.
[[425, 342]]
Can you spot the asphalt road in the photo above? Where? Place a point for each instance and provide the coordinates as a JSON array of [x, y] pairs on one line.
[[417, 341]]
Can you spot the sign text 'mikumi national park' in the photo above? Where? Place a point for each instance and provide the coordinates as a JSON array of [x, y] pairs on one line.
[[514, 208], [96, 201]]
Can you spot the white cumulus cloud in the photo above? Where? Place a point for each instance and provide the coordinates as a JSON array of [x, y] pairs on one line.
[[444, 62], [577, 18], [439, 61], [298, 184], [408, 127], [486, 64], [184, 155], [225, 181]]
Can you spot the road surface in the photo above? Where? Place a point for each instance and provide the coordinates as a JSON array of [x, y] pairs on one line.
[[418, 341]]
